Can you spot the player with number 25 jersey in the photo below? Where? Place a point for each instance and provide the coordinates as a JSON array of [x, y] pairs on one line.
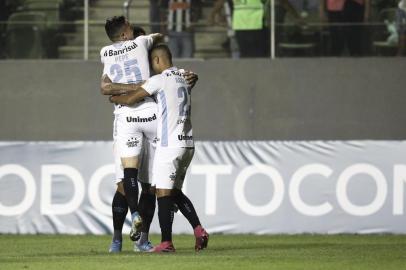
[[127, 62]]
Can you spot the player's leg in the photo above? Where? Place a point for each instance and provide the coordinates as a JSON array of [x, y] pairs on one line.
[[130, 183], [119, 206], [147, 202], [164, 173], [165, 216], [129, 144], [184, 204], [131, 190], [119, 210], [146, 206], [172, 165], [187, 209]]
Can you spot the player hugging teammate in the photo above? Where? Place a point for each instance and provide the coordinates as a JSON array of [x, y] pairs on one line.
[[157, 151]]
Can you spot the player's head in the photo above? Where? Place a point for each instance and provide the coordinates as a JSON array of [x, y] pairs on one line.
[[118, 29], [160, 58], [138, 31]]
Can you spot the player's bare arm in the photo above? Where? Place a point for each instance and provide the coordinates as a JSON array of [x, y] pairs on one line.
[[157, 38], [107, 87], [133, 97]]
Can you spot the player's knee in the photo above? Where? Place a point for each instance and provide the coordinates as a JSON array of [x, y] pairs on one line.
[[130, 162], [163, 192], [120, 188], [152, 190], [148, 189], [176, 192]]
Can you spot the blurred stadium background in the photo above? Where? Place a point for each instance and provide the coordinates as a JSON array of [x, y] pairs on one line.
[[295, 142]]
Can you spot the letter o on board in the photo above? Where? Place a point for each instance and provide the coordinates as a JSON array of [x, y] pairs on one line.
[[342, 196], [30, 190], [239, 188]]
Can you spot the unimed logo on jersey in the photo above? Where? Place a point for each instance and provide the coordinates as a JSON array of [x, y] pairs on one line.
[[140, 119], [185, 138], [121, 51]]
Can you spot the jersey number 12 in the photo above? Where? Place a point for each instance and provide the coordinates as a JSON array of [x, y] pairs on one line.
[[184, 106]]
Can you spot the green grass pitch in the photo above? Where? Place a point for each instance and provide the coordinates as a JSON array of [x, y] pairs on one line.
[[225, 252]]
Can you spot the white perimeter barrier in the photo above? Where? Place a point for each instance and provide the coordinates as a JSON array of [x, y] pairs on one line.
[[237, 187]]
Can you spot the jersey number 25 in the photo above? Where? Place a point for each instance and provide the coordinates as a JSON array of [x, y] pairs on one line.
[[130, 67]]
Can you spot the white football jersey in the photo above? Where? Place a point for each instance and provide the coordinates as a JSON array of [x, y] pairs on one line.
[[174, 100], [127, 62]]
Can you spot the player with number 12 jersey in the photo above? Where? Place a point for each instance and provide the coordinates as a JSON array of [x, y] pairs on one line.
[[174, 128]]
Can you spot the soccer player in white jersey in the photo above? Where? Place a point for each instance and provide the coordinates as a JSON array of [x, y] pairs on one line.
[[126, 61], [175, 145], [120, 27]]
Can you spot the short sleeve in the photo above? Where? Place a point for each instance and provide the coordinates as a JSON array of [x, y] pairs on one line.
[[147, 41], [102, 56], [153, 84], [103, 59]]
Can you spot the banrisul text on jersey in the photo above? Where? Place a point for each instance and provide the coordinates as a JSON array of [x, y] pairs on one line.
[[126, 49]]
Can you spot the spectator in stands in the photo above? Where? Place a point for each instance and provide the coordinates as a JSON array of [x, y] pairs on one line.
[[341, 12], [247, 22], [251, 21], [401, 26], [180, 16]]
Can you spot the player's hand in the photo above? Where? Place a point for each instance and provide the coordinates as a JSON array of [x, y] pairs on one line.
[[106, 78], [105, 81], [191, 78], [111, 99]]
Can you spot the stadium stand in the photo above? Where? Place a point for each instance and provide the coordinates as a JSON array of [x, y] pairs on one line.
[[298, 41], [208, 39], [62, 37], [37, 22], [24, 35], [49, 7], [98, 12]]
